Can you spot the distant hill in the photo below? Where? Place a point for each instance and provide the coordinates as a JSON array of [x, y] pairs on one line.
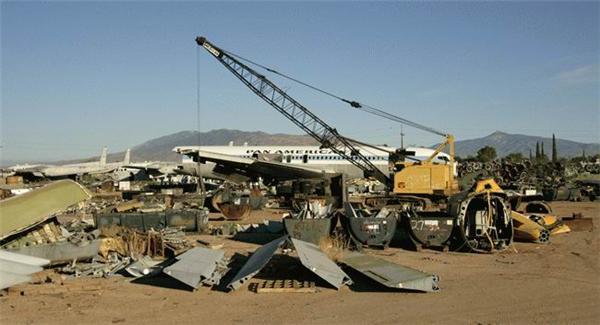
[[508, 143]]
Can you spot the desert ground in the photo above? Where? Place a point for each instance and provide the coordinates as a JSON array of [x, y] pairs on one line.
[[556, 283]]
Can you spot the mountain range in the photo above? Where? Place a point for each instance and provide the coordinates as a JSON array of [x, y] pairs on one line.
[[506, 143]]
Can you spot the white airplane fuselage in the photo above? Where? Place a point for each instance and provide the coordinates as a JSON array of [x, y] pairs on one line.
[[316, 157]]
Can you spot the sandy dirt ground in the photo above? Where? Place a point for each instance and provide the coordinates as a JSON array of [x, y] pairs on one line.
[[556, 283]]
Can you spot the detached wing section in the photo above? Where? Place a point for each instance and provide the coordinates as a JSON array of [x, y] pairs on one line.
[[233, 167], [151, 168]]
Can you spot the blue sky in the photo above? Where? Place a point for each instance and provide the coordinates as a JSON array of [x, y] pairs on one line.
[[77, 76]]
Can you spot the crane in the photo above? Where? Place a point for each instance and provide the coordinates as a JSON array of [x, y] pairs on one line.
[[326, 135], [410, 178], [413, 185]]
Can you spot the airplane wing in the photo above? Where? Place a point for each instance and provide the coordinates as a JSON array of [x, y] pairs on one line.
[[144, 165], [231, 165], [154, 168], [33, 171]]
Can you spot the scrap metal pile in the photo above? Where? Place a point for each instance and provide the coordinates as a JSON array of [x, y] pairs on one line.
[[149, 236], [517, 175], [155, 243]]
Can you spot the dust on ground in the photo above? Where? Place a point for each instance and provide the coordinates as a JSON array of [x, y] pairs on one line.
[[532, 283]]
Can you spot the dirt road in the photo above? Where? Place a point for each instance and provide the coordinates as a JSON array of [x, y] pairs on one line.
[[555, 283]]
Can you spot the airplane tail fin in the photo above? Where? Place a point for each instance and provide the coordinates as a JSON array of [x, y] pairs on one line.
[[103, 156], [127, 159]]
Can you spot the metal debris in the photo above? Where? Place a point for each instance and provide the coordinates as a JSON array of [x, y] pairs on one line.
[[315, 260], [17, 268], [190, 220], [99, 267], [198, 266], [62, 252], [313, 223], [369, 227], [129, 205], [310, 256], [528, 230], [483, 218], [390, 274], [144, 266], [24, 212], [428, 228], [310, 230], [235, 210], [256, 262], [136, 244]]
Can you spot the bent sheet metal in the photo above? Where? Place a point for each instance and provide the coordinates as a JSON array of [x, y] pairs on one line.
[[390, 274], [23, 212], [17, 268], [313, 258], [310, 255], [256, 262], [198, 266]]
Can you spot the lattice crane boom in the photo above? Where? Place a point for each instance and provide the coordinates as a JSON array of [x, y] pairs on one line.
[[326, 135]]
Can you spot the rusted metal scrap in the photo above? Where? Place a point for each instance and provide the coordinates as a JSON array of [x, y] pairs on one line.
[[235, 211]]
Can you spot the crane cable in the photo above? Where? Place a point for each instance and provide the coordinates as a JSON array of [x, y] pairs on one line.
[[363, 107]]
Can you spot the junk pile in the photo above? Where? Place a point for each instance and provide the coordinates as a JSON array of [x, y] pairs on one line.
[[146, 237], [30, 219], [145, 244], [535, 222], [512, 175], [480, 219], [556, 179], [315, 260], [199, 266], [30, 233], [314, 221], [365, 185], [584, 166]]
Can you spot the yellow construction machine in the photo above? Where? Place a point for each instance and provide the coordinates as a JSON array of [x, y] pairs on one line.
[[427, 177]]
